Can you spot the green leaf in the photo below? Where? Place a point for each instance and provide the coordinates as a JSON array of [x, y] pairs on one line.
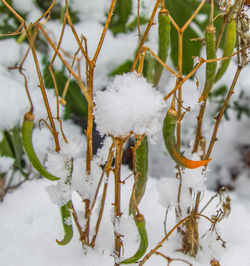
[[5, 148], [122, 68], [16, 141], [133, 25], [120, 17], [76, 102]]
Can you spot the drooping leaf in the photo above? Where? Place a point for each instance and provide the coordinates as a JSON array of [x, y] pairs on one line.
[[122, 68], [76, 102], [133, 24], [120, 17], [5, 149]]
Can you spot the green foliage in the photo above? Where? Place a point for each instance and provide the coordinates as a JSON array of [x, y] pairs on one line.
[[132, 25], [8, 22], [76, 102], [120, 17], [164, 29], [122, 68], [240, 105], [181, 11], [11, 146]]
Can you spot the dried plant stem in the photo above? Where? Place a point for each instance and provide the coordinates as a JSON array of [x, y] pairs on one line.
[[78, 80], [50, 67], [105, 170], [222, 111], [78, 226], [171, 259], [117, 204], [20, 69], [92, 244], [39, 73], [159, 245], [190, 74], [150, 23], [110, 13], [89, 131], [199, 126]]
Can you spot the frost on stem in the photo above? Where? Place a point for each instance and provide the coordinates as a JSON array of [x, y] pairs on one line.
[[130, 103], [60, 164]]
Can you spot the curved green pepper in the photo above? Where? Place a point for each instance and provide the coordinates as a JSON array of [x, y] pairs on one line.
[[141, 227], [170, 142], [27, 129], [141, 170], [211, 66], [164, 28], [67, 223], [229, 44]]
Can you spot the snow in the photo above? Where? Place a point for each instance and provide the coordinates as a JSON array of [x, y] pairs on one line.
[[5, 164], [129, 104], [39, 225]]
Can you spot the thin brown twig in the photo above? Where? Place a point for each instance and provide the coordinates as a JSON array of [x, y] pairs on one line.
[[160, 243], [171, 259], [147, 49], [105, 170], [222, 111], [110, 13], [79, 82], [150, 23]]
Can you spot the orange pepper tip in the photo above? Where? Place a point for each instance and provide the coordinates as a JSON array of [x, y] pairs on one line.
[[210, 159]]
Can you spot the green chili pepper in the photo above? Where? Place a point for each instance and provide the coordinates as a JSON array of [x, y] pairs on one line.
[[229, 44], [141, 227], [141, 165], [164, 28], [67, 223], [170, 142], [27, 129], [211, 66]]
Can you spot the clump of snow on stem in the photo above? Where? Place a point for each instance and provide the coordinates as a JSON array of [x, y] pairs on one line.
[[130, 103], [85, 184], [60, 193], [60, 165]]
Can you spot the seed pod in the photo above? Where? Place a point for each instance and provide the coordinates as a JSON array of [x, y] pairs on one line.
[[141, 165], [67, 223], [170, 142], [27, 129], [211, 66], [164, 28], [141, 227], [229, 44]]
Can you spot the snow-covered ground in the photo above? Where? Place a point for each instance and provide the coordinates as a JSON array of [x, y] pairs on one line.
[[30, 224]]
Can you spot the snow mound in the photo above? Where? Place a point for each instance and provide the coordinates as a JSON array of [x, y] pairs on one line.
[[130, 103]]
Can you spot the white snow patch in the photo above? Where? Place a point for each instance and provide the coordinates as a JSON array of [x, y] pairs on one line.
[[129, 104], [5, 164]]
